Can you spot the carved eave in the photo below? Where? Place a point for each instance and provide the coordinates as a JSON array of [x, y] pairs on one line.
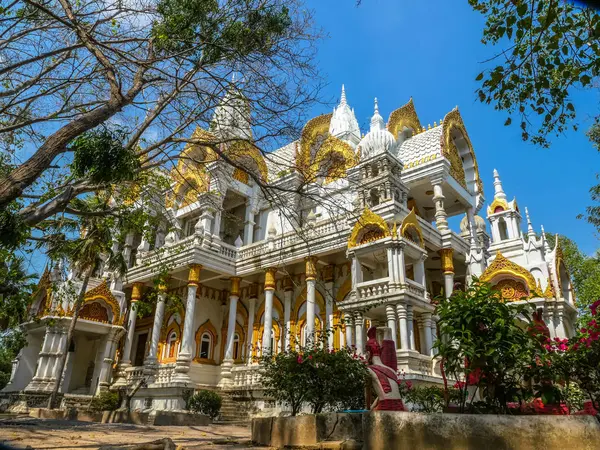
[[311, 131], [102, 292], [411, 224], [502, 266], [368, 221], [453, 120], [404, 117]]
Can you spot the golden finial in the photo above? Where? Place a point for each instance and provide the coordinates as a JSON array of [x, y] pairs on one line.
[[429, 126], [434, 124]]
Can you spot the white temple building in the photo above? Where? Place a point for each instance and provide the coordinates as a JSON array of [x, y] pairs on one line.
[[357, 234]]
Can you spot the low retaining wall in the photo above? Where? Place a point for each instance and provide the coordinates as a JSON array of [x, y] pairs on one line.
[[403, 430], [158, 418]]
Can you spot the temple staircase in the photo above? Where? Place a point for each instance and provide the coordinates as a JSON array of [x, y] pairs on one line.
[[236, 409]]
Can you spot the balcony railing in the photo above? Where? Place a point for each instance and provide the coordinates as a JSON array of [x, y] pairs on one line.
[[415, 288], [165, 373], [246, 377], [373, 289]]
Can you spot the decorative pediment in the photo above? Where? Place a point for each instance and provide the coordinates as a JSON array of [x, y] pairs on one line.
[[312, 131], [502, 268], [369, 227], [336, 156], [404, 117], [497, 203], [102, 292], [249, 157], [411, 229]]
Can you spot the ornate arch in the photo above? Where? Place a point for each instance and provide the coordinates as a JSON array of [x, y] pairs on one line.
[[243, 151], [206, 327], [410, 224], [503, 267], [102, 292], [310, 133], [452, 121], [301, 300], [405, 116], [173, 326], [276, 304], [242, 341], [338, 153], [497, 203], [369, 227]]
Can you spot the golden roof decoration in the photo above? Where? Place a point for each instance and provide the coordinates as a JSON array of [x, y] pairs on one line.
[[314, 128], [411, 224], [102, 292], [247, 155], [405, 116], [338, 153], [453, 120], [549, 292], [503, 266], [498, 202], [368, 221]]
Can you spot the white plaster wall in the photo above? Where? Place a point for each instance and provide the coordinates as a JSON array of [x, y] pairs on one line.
[[85, 351], [205, 374], [27, 363]]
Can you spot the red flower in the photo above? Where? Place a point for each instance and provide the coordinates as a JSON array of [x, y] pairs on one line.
[[299, 360], [309, 356]]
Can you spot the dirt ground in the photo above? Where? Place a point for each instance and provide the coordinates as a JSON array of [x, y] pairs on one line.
[[40, 434]]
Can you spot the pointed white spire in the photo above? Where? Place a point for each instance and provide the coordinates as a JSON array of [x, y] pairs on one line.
[[530, 231], [545, 241], [377, 122], [498, 191], [343, 97], [343, 123]]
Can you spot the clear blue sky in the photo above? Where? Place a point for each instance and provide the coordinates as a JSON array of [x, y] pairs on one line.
[[432, 51]]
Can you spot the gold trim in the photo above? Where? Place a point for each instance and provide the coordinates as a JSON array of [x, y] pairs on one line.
[[368, 221], [239, 150], [326, 153], [270, 278], [194, 274], [503, 266], [497, 202], [405, 116], [310, 133], [446, 259], [235, 286], [310, 267], [136, 291], [102, 292], [411, 222]]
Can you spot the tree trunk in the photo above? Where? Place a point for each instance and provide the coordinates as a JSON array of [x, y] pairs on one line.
[[63, 358]]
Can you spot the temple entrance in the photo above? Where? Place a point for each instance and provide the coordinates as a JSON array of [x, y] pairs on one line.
[[140, 349]]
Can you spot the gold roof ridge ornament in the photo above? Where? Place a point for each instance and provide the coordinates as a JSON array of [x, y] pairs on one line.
[[241, 149], [405, 116], [503, 266], [411, 223], [368, 222], [333, 146], [102, 292]]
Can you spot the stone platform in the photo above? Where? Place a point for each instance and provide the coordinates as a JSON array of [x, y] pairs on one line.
[[403, 430]]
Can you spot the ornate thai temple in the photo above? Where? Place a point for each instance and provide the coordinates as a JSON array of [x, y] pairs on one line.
[[334, 232]]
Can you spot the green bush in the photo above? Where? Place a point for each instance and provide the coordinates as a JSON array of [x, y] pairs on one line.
[[427, 399], [205, 402], [105, 401]]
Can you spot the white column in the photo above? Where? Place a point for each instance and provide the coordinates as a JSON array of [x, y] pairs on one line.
[[311, 275], [185, 355], [358, 326], [329, 307], [268, 323], [446, 257], [426, 317], [391, 322], [419, 268], [349, 323], [391, 265], [472, 227], [233, 299], [130, 330], [107, 362], [249, 337], [441, 221], [151, 361], [411, 330], [403, 325], [249, 226], [217, 225], [356, 272], [287, 310], [433, 335], [400, 264]]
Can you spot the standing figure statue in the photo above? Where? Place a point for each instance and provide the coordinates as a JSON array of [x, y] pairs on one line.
[[382, 368]]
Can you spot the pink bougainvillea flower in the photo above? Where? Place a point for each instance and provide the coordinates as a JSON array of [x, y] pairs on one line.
[[595, 307], [309, 356], [299, 360]]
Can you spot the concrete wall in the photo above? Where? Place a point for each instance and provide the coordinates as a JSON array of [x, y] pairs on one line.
[[402, 430], [28, 357]]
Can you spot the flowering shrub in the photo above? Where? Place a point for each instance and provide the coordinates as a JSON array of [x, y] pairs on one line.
[[314, 375]]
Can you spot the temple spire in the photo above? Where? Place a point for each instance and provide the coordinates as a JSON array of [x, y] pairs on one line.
[[498, 190], [343, 97], [343, 123], [530, 230], [377, 122], [545, 241]]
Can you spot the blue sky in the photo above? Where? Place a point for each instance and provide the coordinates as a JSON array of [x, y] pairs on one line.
[[432, 51]]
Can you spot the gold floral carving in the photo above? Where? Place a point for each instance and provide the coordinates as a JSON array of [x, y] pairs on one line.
[[410, 229], [249, 157], [446, 260], [511, 290], [136, 291], [94, 311], [270, 278], [498, 202], [102, 292], [368, 222], [313, 129], [404, 117], [336, 156], [194, 274], [503, 266], [453, 120], [241, 176], [328, 273], [310, 267]]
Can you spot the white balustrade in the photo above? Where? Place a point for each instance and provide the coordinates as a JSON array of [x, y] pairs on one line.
[[415, 288], [246, 376], [165, 373], [373, 289]]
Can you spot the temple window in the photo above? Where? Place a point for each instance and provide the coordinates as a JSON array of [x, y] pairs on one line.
[[236, 346], [189, 225], [374, 170], [205, 345], [233, 217], [374, 197], [172, 345]]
